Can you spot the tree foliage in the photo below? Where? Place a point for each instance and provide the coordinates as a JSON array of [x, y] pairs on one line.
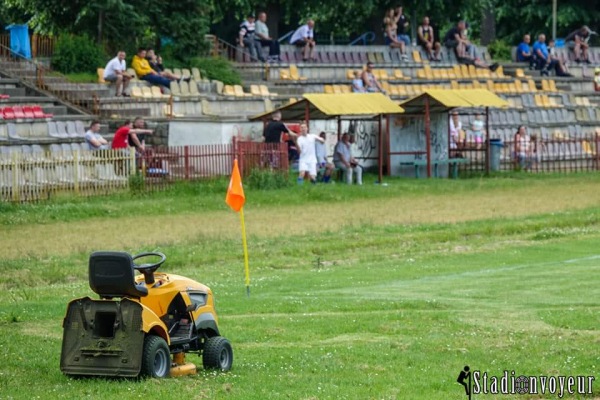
[[129, 23]]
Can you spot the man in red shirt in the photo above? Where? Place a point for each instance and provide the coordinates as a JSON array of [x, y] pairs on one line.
[[130, 130]]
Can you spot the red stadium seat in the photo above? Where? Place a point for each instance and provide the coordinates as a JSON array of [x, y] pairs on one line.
[[39, 113], [28, 112], [18, 111], [8, 113]]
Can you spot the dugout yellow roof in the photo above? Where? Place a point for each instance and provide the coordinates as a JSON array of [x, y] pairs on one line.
[[441, 100], [326, 106]]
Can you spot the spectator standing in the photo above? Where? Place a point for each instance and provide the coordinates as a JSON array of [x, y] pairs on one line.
[[524, 50], [478, 131], [403, 24], [426, 36], [116, 71], [275, 128], [304, 38], [322, 163], [145, 72], [307, 164], [122, 135], [578, 42], [262, 34], [247, 38], [342, 159], [456, 131], [522, 148], [94, 140], [358, 86], [370, 82]]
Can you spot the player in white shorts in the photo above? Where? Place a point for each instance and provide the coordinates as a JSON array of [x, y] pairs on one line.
[[307, 164]]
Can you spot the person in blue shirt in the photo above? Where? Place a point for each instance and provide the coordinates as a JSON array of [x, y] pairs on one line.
[[524, 50], [544, 61], [542, 58]]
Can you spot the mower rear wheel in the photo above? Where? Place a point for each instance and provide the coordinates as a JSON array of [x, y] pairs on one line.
[[156, 358], [217, 354]]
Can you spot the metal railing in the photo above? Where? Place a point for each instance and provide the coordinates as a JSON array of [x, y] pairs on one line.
[[41, 46], [33, 176], [364, 39]]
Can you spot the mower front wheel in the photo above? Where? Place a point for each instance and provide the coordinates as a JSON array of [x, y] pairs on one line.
[[217, 354], [156, 358]]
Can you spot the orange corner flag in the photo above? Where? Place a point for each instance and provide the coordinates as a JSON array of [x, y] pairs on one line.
[[235, 197]]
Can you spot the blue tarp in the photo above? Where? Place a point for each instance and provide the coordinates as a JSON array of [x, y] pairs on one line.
[[19, 40]]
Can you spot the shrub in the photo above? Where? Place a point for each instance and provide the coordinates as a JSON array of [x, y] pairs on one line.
[[266, 179], [77, 54], [500, 50], [217, 68]]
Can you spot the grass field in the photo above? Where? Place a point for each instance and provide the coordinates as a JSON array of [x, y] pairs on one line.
[[357, 292]]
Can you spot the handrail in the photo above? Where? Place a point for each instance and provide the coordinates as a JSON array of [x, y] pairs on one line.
[[284, 37], [365, 38], [232, 50]]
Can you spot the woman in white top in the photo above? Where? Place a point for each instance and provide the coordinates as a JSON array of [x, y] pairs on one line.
[[455, 128], [523, 148], [358, 85]]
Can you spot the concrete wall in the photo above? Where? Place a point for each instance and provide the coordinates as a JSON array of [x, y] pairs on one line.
[[408, 134]]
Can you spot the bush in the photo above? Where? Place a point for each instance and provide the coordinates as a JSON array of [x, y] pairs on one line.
[[266, 179], [217, 68], [74, 54], [500, 50]]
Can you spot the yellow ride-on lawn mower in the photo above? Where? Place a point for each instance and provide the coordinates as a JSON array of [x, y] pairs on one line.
[[141, 325]]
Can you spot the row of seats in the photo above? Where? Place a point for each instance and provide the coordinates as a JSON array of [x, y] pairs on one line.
[[571, 133], [35, 131], [24, 112], [461, 71], [255, 90], [185, 73]]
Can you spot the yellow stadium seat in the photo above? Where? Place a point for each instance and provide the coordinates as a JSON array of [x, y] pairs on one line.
[[417, 56], [519, 73], [228, 90], [464, 71], [337, 89], [295, 75], [264, 91], [398, 74], [383, 75], [346, 88], [196, 74], [436, 74], [476, 85], [100, 72], [531, 84], [255, 90], [458, 71], [518, 86], [472, 71], [420, 74], [185, 73], [239, 91], [500, 72], [175, 89], [444, 73], [552, 85], [545, 86], [328, 89], [157, 94], [537, 98], [454, 85], [136, 91], [349, 74], [284, 74]]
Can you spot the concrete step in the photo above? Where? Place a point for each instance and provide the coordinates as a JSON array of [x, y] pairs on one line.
[[55, 109], [14, 91]]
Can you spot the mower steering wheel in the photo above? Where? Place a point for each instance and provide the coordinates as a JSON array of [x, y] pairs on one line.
[[148, 269]]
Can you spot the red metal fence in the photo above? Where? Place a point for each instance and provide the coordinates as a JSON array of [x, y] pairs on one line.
[[32, 175]]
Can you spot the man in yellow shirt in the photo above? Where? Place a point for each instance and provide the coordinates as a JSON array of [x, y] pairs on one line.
[[145, 72]]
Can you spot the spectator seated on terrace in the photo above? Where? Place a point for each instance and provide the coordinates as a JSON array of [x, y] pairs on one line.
[[370, 82], [427, 41], [456, 40], [524, 53], [597, 80], [304, 38], [247, 38], [391, 33], [358, 86], [157, 65], [145, 72], [578, 42], [543, 61], [262, 34], [93, 139], [561, 68], [116, 71]]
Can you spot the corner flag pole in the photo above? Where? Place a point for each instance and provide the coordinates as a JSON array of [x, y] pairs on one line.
[[245, 245]]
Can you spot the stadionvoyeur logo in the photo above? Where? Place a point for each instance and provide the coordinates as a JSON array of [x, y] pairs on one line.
[[509, 383]]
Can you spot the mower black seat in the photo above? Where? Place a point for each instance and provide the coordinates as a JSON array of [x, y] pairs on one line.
[[111, 274]]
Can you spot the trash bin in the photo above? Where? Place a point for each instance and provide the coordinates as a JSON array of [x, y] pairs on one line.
[[19, 40], [496, 146]]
